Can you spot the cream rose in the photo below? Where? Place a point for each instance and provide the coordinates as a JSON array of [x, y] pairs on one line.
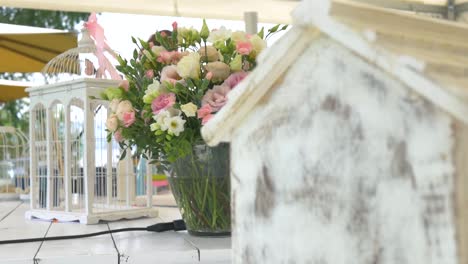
[[220, 70], [189, 109], [189, 66], [113, 105], [112, 123], [211, 52], [122, 108]]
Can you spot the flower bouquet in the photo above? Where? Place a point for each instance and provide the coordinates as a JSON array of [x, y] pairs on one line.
[[174, 84]]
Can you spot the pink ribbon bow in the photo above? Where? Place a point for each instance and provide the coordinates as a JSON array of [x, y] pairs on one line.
[[97, 33]]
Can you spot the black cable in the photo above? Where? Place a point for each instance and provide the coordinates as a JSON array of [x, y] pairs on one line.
[[176, 225]]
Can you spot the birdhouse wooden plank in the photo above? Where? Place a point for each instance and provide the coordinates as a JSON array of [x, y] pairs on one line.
[[350, 141]]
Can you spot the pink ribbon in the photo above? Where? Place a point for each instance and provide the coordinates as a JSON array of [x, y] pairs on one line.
[[97, 33]]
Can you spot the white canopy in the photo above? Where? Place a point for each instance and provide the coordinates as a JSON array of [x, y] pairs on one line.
[[274, 11], [17, 29]]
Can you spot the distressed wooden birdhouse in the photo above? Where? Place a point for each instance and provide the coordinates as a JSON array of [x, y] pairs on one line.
[[75, 172], [350, 141]]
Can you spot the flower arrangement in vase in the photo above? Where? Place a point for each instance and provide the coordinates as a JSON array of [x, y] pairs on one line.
[[174, 84]]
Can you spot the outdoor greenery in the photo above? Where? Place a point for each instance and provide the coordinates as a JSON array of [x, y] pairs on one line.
[[13, 113]]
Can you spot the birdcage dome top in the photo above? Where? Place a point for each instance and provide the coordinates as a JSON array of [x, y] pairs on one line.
[[79, 62]]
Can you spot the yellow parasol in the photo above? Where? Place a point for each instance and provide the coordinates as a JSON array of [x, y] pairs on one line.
[[28, 49], [12, 90]]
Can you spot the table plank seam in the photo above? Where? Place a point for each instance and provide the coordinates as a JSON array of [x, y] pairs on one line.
[[35, 259], [9, 213], [193, 245], [115, 245]]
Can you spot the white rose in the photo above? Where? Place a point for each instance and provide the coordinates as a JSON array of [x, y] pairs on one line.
[[189, 66], [175, 125], [154, 126], [112, 123], [157, 49], [219, 35], [258, 44], [189, 109], [161, 118], [113, 105], [153, 91], [239, 36], [122, 108]]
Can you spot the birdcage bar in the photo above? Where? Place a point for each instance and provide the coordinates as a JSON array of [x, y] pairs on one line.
[[109, 171], [33, 158], [67, 158], [89, 147]]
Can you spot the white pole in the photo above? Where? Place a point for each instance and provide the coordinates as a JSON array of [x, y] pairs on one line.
[[149, 184], [251, 21], [88, 152]]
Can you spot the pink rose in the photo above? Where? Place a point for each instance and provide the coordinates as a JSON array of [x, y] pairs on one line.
[[216, 97], [244, 47], [204, 111], [163, 102], [163, 34], [169, 73], [235, 78], [124, 84], [128, 118], [174, 26], [149, 74], [206, 119], [170, 57], [118, 136]]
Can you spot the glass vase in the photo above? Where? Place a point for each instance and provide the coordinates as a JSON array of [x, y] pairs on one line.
[[200, 183]]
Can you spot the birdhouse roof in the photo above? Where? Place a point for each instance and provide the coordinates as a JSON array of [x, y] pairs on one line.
[[430, 56]]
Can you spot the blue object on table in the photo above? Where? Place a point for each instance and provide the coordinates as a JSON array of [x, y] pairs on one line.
[[140, 178]]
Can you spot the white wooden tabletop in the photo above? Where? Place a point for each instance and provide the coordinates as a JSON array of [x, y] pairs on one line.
[[128, 247]]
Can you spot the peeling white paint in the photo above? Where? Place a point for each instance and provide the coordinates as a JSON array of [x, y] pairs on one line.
[[343, 165]]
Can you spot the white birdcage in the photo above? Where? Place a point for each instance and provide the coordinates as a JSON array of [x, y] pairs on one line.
[[76, 174], [14, 164]]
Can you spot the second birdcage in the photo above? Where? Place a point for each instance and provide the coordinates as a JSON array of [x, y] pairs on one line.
[[14, 164]]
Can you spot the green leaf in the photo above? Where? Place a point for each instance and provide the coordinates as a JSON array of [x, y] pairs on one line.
[[274, 29], [261, 33], [135, 55], [124, 154], [144, 44]]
